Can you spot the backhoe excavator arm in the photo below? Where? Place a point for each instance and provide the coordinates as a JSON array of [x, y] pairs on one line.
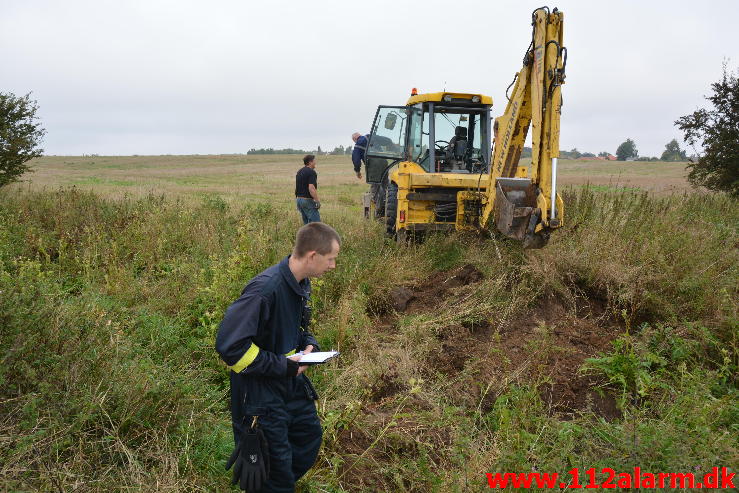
[[529, 208]]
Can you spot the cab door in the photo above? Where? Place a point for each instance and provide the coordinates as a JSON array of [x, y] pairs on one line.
[[387, 141]]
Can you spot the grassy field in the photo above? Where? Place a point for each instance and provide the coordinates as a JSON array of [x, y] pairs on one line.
[[259, 177], [615, 346]]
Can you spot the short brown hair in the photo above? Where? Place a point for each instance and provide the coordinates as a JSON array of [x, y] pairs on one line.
[[315, 237], [308, 158]]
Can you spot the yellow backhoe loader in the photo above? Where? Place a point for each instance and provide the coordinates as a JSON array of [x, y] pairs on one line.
[[434, 154]]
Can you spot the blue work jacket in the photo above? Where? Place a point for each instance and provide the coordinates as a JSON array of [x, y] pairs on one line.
[[269, 320], [358, 154]]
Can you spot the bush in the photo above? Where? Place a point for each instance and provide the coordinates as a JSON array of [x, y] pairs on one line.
[[20, 136], [716, 131]]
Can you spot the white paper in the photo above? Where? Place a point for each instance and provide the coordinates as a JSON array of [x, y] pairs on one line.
[[317, 357]]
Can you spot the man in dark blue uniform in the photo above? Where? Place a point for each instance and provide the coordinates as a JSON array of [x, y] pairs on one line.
[[267, 323], [359, 156], [360, 148]]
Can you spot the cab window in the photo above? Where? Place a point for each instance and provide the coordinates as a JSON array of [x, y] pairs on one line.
[[387, 139], [459, 140]]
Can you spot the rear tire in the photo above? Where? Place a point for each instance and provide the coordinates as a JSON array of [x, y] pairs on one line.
[[391, 208]]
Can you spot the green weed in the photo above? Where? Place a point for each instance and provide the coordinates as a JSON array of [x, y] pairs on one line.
[[109, 308]]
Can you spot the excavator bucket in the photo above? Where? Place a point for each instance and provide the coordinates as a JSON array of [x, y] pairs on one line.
[[516, 214]]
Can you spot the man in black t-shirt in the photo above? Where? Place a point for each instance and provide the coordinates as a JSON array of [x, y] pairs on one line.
[[306, 193]]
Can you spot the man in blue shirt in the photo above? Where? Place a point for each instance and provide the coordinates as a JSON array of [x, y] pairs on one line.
[[360, 146], [262, 337], [359, 156]]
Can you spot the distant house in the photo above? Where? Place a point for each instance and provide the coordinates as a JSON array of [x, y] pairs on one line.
[[611, 157]]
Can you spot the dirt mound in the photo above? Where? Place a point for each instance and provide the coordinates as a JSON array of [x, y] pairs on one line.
[[545, 346], [425, 296], [559, 340], [476, 362], [364, 452], [399, 298], [387, 385]]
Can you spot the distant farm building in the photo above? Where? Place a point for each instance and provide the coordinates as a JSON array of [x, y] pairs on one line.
[[610, 157]]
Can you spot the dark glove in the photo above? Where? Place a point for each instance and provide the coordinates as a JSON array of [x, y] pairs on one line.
[[317, 204], [251, 457]]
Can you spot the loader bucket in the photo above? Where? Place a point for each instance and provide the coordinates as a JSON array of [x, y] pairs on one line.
[[516, 214]]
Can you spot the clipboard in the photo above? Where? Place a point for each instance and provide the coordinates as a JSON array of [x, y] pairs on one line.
[[317, 358]]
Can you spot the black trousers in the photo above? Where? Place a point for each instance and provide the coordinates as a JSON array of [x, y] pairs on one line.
[[286, 413]]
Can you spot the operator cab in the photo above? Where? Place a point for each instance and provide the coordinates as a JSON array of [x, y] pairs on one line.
[[441, 132]]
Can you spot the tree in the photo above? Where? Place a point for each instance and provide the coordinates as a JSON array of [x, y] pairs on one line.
[[627, 150], [348, 150], [20, 136], [673, 152], [716, 131]]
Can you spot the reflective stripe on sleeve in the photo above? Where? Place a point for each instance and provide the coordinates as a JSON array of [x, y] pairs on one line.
[[248, 358]]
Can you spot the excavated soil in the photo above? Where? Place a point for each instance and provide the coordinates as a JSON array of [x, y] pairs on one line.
[[545, 345], [552, 343], [402, 442], [425, 296]]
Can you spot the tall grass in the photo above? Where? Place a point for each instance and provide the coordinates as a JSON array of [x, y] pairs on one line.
[[109, 309]]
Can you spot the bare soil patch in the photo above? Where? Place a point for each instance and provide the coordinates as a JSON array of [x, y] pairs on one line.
[[405, 437], [545, 345], [552, 342], [425, 296]]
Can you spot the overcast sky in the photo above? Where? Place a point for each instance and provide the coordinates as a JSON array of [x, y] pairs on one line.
[[185, 77]]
